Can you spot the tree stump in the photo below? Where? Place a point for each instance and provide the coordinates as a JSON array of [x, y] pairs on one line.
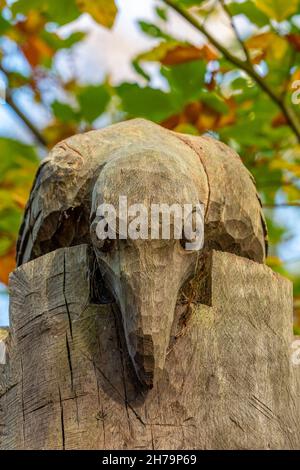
[[228, 382]]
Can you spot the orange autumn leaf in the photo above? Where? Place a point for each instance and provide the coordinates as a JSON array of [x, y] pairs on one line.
[[202, 116], [35, 49], [173, 53], [20, 200], [295, 76], [207, 120], [56, 131], [26, 32], [294, 39], [279, 120], [185, 53], [192, 111], [7, 265], [33, 24], [171, 122]]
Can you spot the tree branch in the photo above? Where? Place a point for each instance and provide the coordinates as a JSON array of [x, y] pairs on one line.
[[288, 112], [238, 37], [11, 102]]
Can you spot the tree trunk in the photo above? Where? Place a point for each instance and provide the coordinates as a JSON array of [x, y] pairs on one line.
[[228, 383]]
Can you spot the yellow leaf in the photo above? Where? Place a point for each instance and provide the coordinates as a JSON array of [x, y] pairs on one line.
[[274, 262], [103, 11], [3, 334], [277, 9], [158, 52], [268, 45]]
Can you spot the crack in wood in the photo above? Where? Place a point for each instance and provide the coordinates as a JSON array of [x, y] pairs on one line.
[[65, 297], [63, 438]]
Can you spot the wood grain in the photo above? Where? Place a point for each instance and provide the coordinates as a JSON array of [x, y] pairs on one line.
[[228, 382]]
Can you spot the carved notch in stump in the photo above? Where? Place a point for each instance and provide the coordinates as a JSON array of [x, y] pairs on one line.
[[227, 383]]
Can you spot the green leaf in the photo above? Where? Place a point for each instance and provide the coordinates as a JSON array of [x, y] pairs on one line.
[[214, 101], [58, 11], [188, 3], [187, 129], [64, 112], [297, 330], [4, 25], [162, 13], [278, 10], [139, 69], [147, 102], [186, 80], [153, 31], [297, 287], [93, 100], [57, 43], [10, 220], [158, 52], [250, 11], [17, 79], [275, 232], [15, 154], [5, 244]]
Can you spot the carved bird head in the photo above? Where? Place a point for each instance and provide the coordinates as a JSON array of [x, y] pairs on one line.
[[148, 165], [145, 274]]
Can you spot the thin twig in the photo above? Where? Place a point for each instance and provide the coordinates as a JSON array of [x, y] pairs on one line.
[[236, 32], [11, 102], [288, 112]]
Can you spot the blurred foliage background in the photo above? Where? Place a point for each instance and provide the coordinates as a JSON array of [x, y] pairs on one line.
[[237, 78]]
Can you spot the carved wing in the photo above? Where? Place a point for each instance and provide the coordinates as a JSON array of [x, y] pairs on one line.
[[57, 212]]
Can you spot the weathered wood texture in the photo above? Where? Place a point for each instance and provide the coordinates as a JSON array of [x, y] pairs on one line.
[[228, 381], [144, 164], [141, 160]]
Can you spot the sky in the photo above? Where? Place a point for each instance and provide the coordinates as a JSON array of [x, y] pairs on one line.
[[110, 52]]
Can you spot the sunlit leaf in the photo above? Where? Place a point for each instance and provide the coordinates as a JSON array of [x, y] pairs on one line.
[[250, 11], [174, 52], [4, 25], [55, 10], [268, 45], [277, 9], [93, 100], [146, 102], [186, 128], [162, 13], [186, 80], [64, 112], [153, 31], [189, 3], [102, 11]]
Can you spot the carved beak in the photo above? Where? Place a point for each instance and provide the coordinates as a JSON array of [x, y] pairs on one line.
[[147, 306], [145, 279]]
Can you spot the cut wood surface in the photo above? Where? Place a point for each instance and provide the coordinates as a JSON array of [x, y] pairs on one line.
[[147, 165], [228, 381]]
